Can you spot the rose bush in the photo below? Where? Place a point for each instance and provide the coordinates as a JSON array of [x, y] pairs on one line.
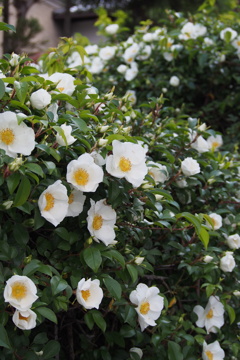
[[112, 246]]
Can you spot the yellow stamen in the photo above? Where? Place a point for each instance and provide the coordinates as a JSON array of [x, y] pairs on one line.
[[19, 290], [130, 60], [215, 144], [125, 164], [61, 89], [209, 355], [26, 318], [97, 222], [209, 314], [85, 294], [50, 202], [238, 43], [7, 136], [144, 308], [81, 177], [71, 198]]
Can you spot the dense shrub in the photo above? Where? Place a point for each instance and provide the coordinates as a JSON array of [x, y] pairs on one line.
[[119, 222]]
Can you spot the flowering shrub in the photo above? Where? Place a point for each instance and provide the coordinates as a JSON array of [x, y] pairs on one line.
[[194, 61], [120, 222]]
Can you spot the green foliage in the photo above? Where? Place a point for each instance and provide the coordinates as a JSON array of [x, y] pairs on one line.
[[172, 231]]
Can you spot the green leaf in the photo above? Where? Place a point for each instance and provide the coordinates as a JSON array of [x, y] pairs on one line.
[[113, 287], [4, 340], [89, 320], [57, 285], [81, 124], [99, 320], [92, 257], [21, 90], [13, 181], [18, 104], [2, 89], [34, 168], [31, 268], [23, 192], [51, 349], [174, 351], [203, 236], [63, 233], [231, 313], [112, 137], [47, 313], [20, 234], [116, 256], [132, 272], [192, 219], [6, 27]]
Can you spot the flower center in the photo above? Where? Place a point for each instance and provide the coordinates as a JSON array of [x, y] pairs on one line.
[[26, 318], [81, 177], [130, 59], [61, 89], [71, 198], [144, 308], [209, 314], [238, 43], [7, 136], [125, 164], [85, 294], [50, 202], [19, 290], [209, 355], [215, 144], [97, 222]]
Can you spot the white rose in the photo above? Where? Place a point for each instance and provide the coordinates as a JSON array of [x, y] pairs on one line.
[[190, 167], [14, 59], [122, 68], [25, 320], [227, 262], [67, 130], [89, 294], [137, 350], [207, 259], [217, 221], [233, 241], [112, 29], [174, 81], [40, 99]]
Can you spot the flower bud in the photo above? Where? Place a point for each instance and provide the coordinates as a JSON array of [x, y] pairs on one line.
[[102, 142], [15, 164]]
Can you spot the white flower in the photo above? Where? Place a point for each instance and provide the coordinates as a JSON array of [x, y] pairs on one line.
[[65, 82], [74, 60], [190, 167], [91, 49], [137, 350], [200, 144], [192, 31], [131, 96], [158, 172], [138, 260], [25, 320], [89, 294], [223, 33], [130, 53], [53, 203], [67, 129], [227, 262], [15, 138], [122, 68], [207, 259], [233, 241], [54, 108], [236, 293], [217, 221], [20, 292], [101, 221], [131, 73], [144, 53], [182, 183], [236, 43], [14, 59], [214, 142], [98, 159], [212, 351], [212, 316], [112, 29], [97, 65], [148, 37], [208, 41], [128, 161], [174, 81], [149, 304], [75, 203], [84, 174], [40, 99], [107, 52]]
